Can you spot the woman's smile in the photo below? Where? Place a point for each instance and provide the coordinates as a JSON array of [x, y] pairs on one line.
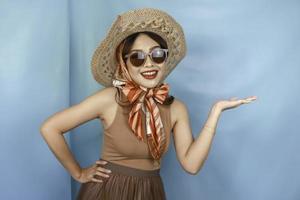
[[150, 74]]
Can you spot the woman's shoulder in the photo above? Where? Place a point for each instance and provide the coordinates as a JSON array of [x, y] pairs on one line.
[[177, 103], [106, 92], [178, 107], [106, 95], [105, 99]]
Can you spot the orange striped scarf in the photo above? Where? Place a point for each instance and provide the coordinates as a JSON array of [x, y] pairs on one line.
[[139, 96], [144, 98]]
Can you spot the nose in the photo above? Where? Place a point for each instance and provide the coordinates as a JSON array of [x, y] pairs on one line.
[[148, 61]]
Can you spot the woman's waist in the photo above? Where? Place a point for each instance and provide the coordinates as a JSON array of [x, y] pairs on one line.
[[140, 166]]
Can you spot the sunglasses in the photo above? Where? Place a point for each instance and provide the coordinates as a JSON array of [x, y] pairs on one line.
[[138, 57]]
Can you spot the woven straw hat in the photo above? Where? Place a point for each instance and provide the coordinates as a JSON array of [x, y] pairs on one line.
[[104, 61]]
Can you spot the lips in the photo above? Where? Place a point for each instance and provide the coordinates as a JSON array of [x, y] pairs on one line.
[[151, 74]]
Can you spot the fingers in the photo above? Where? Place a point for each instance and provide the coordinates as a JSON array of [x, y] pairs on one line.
[[245, 100], [96, 180], [253, 98], [233, 98], [249, 99], [101, 162], [101, 169], [99, 172]]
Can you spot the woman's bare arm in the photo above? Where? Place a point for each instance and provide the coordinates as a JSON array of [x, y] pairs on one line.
[[61, 122], [191, 152]]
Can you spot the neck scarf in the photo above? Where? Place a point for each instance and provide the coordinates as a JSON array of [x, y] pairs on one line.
[[145, 99], [142, 98]]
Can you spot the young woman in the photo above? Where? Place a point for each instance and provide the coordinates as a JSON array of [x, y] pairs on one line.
[[136, 110]]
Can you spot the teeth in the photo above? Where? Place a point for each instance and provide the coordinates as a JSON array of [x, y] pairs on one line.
[[149, 73]]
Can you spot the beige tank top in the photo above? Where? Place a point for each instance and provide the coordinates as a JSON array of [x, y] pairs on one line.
[[121, 146]]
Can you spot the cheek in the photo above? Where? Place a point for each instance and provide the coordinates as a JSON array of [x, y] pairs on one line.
[[162, 69], [130, 68], [133, 70]]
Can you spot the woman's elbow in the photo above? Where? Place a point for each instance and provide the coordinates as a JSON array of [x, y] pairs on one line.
[[190, 170], [46, 129]]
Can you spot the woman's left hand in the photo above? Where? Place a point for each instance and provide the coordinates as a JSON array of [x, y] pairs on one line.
[[233, 102]]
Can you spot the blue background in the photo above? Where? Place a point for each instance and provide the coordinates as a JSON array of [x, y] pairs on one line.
[[234, 48]]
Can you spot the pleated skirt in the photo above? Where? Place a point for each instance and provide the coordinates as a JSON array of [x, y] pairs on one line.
[[124, 183]]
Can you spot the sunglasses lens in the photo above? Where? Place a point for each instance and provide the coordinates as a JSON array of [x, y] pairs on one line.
[[158, 55], [137, 58]]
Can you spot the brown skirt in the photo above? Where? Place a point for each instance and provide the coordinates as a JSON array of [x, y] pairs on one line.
[[124, 183]]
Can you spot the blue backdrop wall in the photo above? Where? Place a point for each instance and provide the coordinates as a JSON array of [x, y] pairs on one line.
[[34, 79], [234, 48]]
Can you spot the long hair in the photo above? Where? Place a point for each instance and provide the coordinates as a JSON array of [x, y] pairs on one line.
[[121, 72]]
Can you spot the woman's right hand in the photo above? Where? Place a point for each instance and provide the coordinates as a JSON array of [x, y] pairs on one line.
[[90, 173]]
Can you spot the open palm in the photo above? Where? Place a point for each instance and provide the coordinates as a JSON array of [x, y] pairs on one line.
[[234, 102]]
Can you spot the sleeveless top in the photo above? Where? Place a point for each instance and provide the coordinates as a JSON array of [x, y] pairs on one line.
[[122, 147]]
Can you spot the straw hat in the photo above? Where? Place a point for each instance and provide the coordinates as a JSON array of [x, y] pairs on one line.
[[103, 63]]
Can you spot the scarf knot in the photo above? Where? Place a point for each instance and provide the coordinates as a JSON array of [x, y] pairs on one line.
[[158, 93]]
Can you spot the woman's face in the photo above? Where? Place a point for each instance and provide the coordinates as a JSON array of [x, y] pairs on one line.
[[145, 43]]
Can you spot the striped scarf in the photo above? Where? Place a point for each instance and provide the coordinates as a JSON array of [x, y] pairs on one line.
[[145, 98]]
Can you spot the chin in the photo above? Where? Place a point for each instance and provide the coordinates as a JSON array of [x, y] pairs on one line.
[[148, 83]]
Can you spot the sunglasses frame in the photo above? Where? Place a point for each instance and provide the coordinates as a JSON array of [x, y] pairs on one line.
[[146, 55]]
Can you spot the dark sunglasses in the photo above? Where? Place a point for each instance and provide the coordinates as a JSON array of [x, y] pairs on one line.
[[138, 57]]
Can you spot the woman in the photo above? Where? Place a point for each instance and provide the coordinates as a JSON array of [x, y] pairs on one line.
[[142, 47]]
